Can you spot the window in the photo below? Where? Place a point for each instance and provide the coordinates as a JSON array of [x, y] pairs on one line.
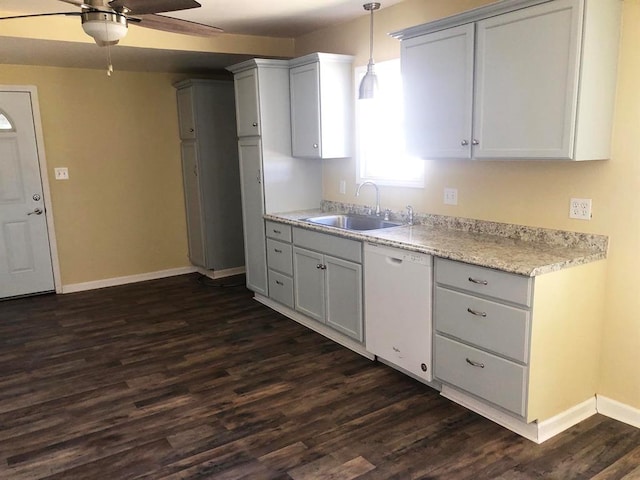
[[5, 124], [381, 155]]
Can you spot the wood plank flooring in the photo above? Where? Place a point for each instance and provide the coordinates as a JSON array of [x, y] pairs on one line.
[[176, 379]]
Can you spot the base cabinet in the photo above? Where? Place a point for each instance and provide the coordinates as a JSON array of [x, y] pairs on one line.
[[527, 346], [326, 287]]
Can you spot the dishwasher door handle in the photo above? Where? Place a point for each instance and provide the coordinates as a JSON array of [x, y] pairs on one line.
[[394, 260]]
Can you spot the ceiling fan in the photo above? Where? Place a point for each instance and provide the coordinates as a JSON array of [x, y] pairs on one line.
[[107, 21]]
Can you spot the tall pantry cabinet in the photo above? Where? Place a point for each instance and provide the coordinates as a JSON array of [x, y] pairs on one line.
[[210, 173], [271, 179]]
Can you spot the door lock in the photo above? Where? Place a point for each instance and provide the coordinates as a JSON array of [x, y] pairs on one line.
[[36, 197], [37, 211]]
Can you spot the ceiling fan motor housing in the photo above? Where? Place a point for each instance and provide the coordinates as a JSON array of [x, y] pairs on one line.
[[106, 28]]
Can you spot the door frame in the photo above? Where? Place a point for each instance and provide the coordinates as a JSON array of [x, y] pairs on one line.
[[44, 177]]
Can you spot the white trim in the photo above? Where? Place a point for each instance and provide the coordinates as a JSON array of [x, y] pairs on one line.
[[111, 282], [44, 177], [214, 274], [537, 432], [618, 411], [567, 419], [315, 326]]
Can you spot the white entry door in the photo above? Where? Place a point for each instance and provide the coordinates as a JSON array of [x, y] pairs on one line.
[[25, 255]]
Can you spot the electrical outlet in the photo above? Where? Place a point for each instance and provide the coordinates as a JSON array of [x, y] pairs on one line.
[[62, 173], [343, 187], [451, 196], [580, 208]]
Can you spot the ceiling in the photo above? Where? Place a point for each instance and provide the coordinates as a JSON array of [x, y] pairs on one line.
[[273, 18]]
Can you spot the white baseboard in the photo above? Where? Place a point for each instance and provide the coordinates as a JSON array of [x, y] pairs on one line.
[[111, 282], [214, 274], [318, 327], [537, 432], [618, 411]]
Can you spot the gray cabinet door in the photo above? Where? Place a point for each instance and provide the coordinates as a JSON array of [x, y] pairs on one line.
[[193, 203], [344, 296], [305, 111], [250, 153], [437, 71], [247, 103], [527, 66], [309, 283], [186, 114]]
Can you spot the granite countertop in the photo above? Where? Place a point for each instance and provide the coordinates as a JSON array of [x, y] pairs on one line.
[[511, 248]]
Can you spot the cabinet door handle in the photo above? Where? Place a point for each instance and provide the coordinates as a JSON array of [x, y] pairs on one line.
[[277, 232], [277, 250], [258, 177], [279, 283], [475, 142], [476, 313], [191, 130], [478, 282], [321, 266], [464, 143], [475, 364], [315, 145], [254, 124]]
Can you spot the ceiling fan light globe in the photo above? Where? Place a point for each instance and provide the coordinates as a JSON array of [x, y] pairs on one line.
[[105, 28]]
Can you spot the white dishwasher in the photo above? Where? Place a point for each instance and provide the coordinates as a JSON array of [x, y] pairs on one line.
[[398, 298]]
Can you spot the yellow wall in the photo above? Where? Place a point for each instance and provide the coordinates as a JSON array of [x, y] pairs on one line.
[[122, 210], [529, 193]]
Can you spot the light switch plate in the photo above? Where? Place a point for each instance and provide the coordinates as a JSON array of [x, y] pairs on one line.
[[580, 208], [451, 196], [62, 173]]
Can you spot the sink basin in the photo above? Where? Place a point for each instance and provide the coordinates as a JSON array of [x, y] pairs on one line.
[[352, 222]]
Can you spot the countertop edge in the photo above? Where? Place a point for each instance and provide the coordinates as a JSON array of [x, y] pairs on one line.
[[374, 236]]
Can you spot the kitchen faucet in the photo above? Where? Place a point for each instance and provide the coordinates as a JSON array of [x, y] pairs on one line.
[[377, 194]]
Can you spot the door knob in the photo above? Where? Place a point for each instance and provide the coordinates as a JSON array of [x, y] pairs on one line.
[[37, 211]]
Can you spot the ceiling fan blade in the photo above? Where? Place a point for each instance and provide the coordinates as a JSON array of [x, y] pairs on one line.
[[144, 7], [177, 25], [42, 15]]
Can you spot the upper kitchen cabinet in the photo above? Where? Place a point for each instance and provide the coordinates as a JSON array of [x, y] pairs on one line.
[[321, 99], [517, 79], [247, 106]]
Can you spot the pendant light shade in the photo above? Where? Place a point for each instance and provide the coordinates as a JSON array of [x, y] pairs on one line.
[[369, 83]]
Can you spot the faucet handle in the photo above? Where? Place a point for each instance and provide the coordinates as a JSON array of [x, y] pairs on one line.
[[387, 214], [409, 214]]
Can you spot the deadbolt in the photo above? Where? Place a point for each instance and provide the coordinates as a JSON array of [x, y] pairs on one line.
[[36, 197]]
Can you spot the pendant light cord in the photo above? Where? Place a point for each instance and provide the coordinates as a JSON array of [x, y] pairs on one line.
[[371, 39]]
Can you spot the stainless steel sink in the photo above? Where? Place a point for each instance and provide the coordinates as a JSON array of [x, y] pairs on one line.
[[352, 222]]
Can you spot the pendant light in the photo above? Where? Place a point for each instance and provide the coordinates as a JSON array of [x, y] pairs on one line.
[[369, 83]]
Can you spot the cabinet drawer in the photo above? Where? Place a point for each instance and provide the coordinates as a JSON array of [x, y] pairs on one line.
[[279, 231], [279, 256], [484, 281], [335, 246], [281, 288], [492, 378], [493, 326]]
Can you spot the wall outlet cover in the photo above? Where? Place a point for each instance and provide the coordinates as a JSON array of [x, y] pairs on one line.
[[580, 208], [451, 196], [61, 173]]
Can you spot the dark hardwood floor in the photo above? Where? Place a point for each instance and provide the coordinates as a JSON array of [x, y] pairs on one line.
[[176, 379]]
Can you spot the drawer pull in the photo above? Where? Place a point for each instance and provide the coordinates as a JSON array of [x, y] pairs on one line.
[[277, 250], [476, 313], [277, 232], [475, 364], [478, 282], [278, 282]]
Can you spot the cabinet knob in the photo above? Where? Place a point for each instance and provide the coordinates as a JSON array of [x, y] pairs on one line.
[[255, 124], [191, 130], [321, 266], [423, 367], [315, 145], [464, 143], [475, 142]]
